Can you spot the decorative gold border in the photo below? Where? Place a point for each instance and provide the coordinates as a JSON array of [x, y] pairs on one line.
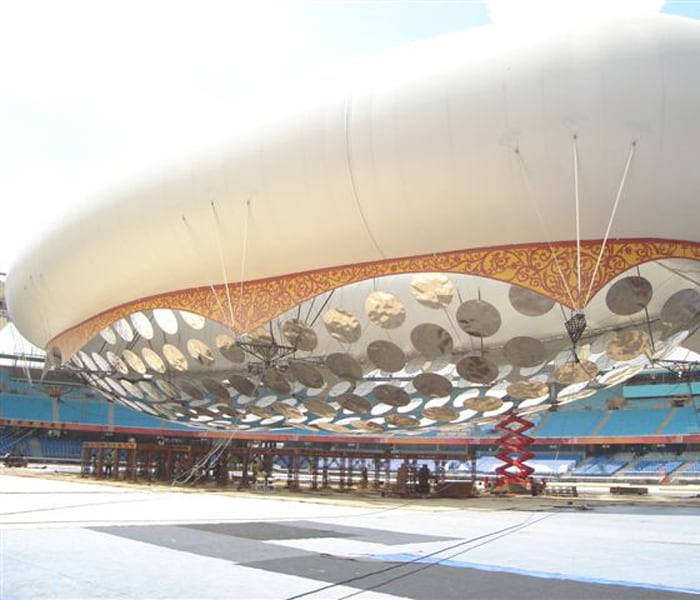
[[549, 269]]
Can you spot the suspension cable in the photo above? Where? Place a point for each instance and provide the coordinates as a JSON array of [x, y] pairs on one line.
[[610, 221], [578, 221]]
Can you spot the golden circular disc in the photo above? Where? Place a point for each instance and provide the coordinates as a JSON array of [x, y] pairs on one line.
[[483, 403], [154, 362], [433, 290], [529, 303], [680, 310], [391, 395], [524, 351], [319, 407], [134, 361], [259, 411], [386, 356], [307, 375], [431, 340], [344, 366], [229, 349], [300, 335], [477, 369], [385, 310], [288, 412], [370, 426], [342, 325], [432, 385], [117, 363], [275, 380], [200, 352], [527, 390], [629, 295], [441, 413], [402, 420], [478, 318], [628, 344], [242, 385], [575, 372], [334, 427], [215, 388], [175, 358], [354, 403]]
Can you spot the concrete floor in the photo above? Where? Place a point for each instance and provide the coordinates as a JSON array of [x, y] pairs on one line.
[[81, 539]]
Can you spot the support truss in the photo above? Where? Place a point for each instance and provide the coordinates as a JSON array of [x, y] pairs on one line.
[[513, 450]]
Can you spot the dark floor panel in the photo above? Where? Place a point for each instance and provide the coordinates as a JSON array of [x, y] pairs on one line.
[[204, 543], [269, 531], [436, 582]]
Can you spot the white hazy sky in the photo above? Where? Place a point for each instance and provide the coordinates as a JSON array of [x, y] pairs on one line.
[[90, 90]]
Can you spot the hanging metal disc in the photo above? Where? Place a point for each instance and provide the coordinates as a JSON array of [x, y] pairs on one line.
[[134, 361], [483, 403], [300, 335], [680, 310], [229, 349], [432, 385], [344, 366], [524, 351], [275, 380], [385, 310], [529, 303], [478, 318], [433, 290], [527, 390], [242, 385], [307, 375], [262, 412], [386, 356], [402, 420], [342, 325], [175, 358], [575, 372], [190, 389], [288, 412], [432, 341], [215, 388], [477, 369], [391, 395], [628, 344], [200, 352], [369, 426], [354, 403], [319, 407], [167, 388], [629, 295], [441, 413]]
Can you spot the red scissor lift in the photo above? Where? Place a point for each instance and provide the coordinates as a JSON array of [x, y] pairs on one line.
[[513, 452]]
